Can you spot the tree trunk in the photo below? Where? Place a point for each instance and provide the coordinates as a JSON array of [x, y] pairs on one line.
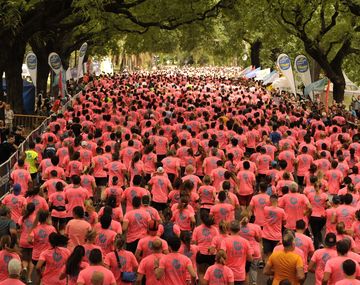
[[15, 57], [315, 71], [42, 52], [1, 83], [43, 69], [338, 88], [255, 48]]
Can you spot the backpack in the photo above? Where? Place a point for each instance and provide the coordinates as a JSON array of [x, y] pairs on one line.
[[168, 231]]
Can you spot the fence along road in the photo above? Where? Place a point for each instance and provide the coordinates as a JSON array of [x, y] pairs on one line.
[[7, 166]]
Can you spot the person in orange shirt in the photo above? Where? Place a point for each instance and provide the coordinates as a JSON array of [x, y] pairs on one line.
[[285, 264]]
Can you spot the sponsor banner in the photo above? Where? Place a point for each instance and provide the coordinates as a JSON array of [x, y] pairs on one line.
[[302, 67], [284, 64], [31, 63]]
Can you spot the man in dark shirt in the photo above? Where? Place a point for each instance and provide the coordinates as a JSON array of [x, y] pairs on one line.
[[76, 127], [7, 148], [7, 226]]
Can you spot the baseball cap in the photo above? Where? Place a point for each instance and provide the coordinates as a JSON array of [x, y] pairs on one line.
[[17, 189], [83, 143], [160, 170], [330, 240]]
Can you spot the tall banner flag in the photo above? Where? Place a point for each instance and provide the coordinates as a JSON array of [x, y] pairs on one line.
[[284, 64], [31, 63], [82, 53], [302, 67], [54, 61]]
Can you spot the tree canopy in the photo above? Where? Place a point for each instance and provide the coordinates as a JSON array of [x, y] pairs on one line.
[[218, 32]]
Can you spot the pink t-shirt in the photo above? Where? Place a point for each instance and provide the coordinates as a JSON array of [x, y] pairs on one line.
[[57, 199], [252, 232], [203, 236], [348, 282], [54, 259], [258, 203], [41, 239], [219, 274], [11, 281], [318, 203], [237, 249], [26, 226], [50, 185], [334, 267], [294, 205], [138, 220], [105, 239], [334, 178], [76, 230], [206, 195], [222, 211], [116, 168], [183, 218], [320, 257], [130, 193], [75, 197], [160, 186], [149, 161], [171, 164], [263, 163], [146, 268], [85, 157], [145, 245], [274, 219], [86, 275], [15, 204], [346, 214], [246, 182], [175, 266], [126, 259], [304, 161], [22, 177], [5, 258], [356, 234], [306, 244], [99, 163]]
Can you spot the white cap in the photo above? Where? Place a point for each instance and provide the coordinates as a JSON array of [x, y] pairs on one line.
[[84, 143], [160, 170]]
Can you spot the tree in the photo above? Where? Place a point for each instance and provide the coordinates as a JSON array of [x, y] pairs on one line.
[[327, 30], [24, 18]]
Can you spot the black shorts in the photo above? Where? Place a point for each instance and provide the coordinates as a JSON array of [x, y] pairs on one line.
[[269, 245], [205, 259], [132, 246], [101, 181], [61, 221], [159, 206], [244, 200], [26, 253]]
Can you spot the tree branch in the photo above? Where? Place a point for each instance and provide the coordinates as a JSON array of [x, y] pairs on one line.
[[353, 7], [172, 23], [325, 29]]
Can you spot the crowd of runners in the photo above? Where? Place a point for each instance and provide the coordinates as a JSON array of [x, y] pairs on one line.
[[172, 179]]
